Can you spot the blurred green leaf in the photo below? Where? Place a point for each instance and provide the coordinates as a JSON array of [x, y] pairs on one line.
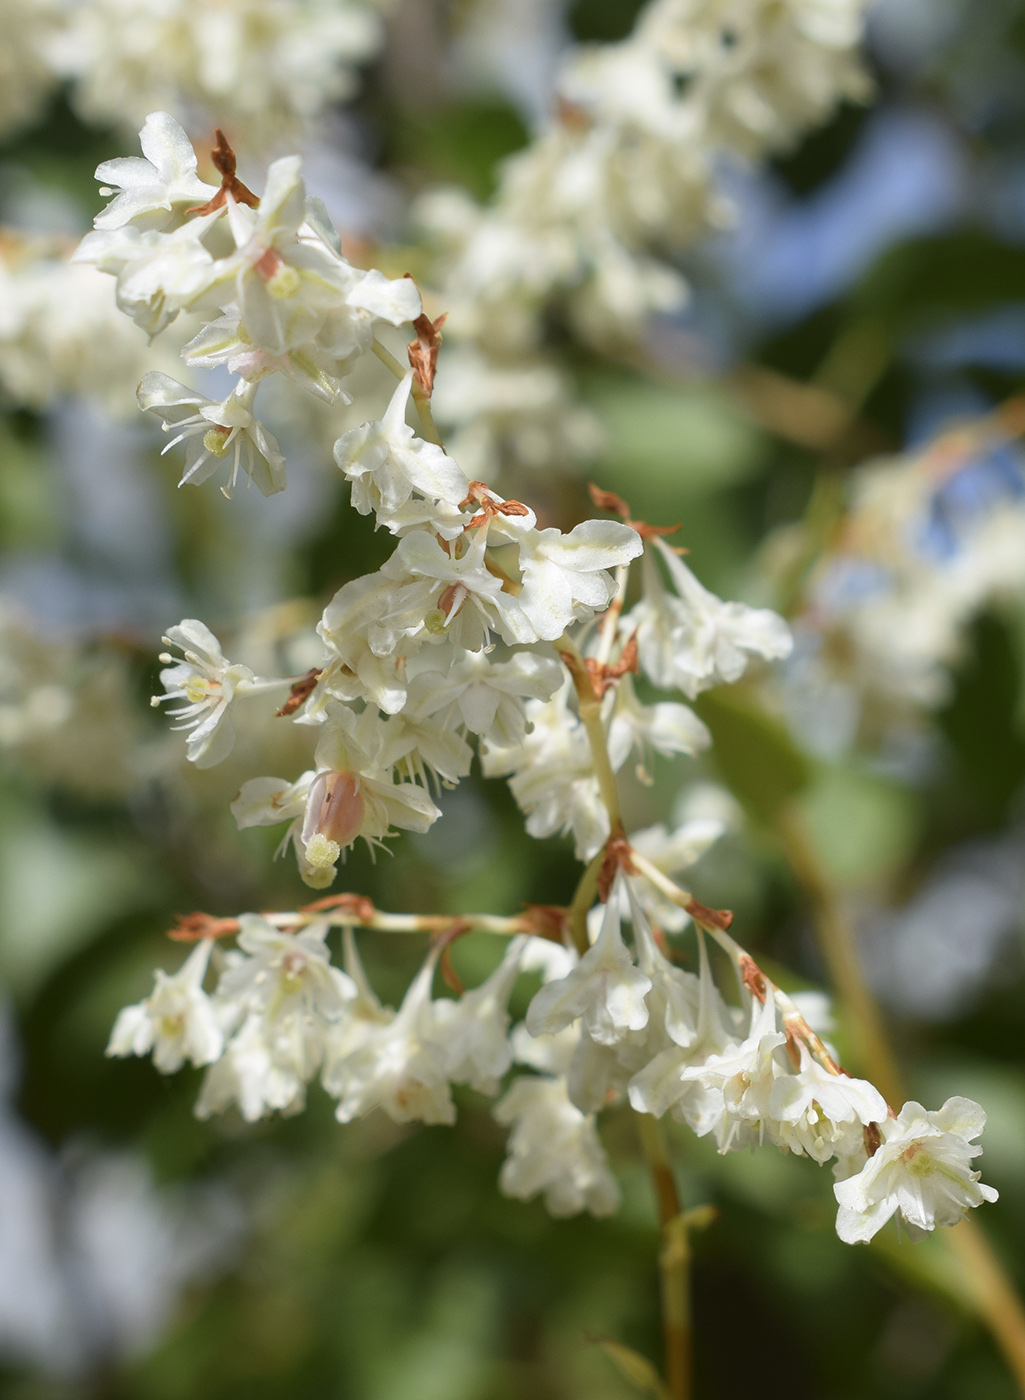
[[758, 760]]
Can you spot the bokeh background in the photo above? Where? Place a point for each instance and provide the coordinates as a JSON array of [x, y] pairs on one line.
[[875, 274]]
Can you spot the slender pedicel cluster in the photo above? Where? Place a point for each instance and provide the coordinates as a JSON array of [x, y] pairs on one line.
[[480, 629]]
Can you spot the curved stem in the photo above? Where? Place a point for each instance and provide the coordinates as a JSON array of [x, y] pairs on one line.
[[869, 1040], [994, 1294]]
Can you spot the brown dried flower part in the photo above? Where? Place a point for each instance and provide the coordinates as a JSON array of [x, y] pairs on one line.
[[479, 494], [549, 921], [193, 928], [608, 500], [223, 158], [358, 905], [458, 929], [617, 857], [300, 692], [873, 1138], [423, 351], [603, 677], [752, 977], [792, 1047], [709, 918]]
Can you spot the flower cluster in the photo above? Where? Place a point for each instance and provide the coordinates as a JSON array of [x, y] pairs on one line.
[[263, 67], [483, 627], [625, 173], [619, 1024], [929, 539]]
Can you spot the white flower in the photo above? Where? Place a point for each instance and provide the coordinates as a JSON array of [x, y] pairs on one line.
[[666, 727], [178, 1021], [485, 696], [691, 640], [921, 1169], [605, 989], [208, 682], [215, 432], [566, 578], [397, 1066], [351, 794], [153, 189], [743, 1073], [292, 289], [286, 974], [473, 1032], [813, 1112], [158, 274], [555, 1149], [452, 594], [249, 1075], [660, 1087], [553, 777], [386, 462]]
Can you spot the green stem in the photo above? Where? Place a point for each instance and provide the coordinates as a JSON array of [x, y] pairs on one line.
[[421, 398], [674, 1261], [991, 1288]]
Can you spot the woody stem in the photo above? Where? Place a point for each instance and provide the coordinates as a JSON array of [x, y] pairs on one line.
[[674, 1261]]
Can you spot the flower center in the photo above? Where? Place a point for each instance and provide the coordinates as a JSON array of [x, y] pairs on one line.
[[215, 440]]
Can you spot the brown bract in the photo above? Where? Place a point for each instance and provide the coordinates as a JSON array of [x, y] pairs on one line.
[[300, 692], [608, 500], [873, 1138], [549, 921], [458, 929], [423, 351], [223, 158], [752, 976], [193, 928], [617, 858], [604, 676]]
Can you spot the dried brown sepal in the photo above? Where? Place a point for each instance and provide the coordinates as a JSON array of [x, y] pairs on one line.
[[423, 351], [608, 500], [617, 857], [479, 494], [223, 158], [710, 918], [358, 905], [603, 677], [300, 692], [650, 532], [193, 928], [458, 929], [546, 921], [873, 1138], [752, 977]]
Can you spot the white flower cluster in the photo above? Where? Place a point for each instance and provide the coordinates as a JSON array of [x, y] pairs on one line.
[[930, 538], [53, 315], [263, 68], [479, 624], [617, 1023], [409, 666], [275, 292], [624, 174]]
